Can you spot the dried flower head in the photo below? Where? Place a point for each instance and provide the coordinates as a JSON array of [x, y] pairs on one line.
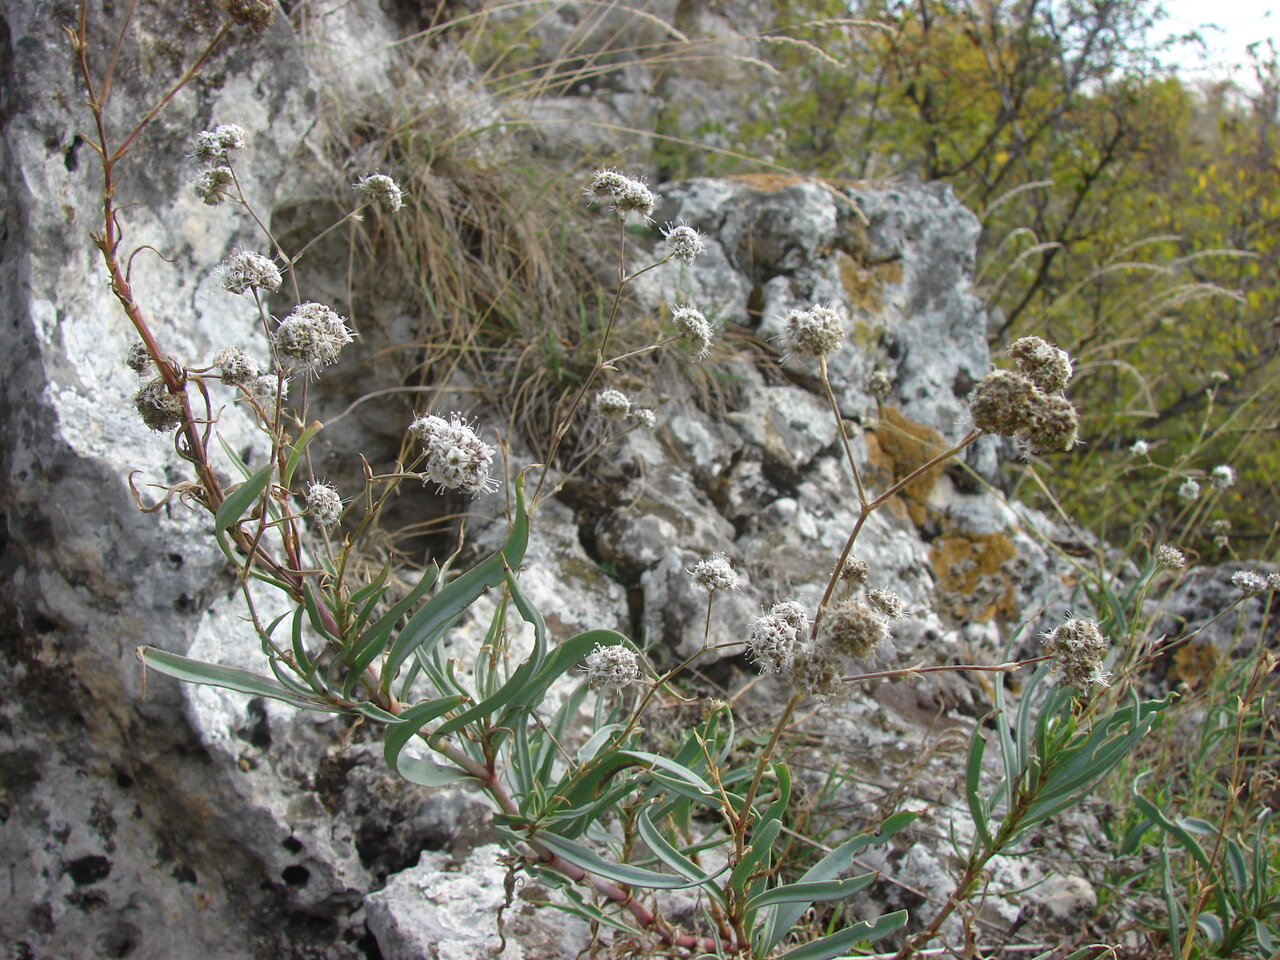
[[212, 148], [715, 574], [817, 669], [880, 385], [1222, 477], [1140, 448], [815, 332], [1249, 582], [324, 504], [380, 189], [456, 457], [1078, 648], [159, 409], [695, 330], [1001, 402], [236, 368], [138, 358], [853, 628], [887, 603], [312, 336], [249, 271], [612, 404], [257, 15], [645, 418], [686, 243], [1042, 363], [773, 642], [855, 571], [1189, 490], [606, 186], [1170, 556], [611, 668], [212, 185], [1052, 424], [265, 386]]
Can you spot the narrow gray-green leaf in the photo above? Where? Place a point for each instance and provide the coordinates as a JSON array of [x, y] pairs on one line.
[[587, 859], [229, 678], [820, 891], [844, 940], [242, 498]]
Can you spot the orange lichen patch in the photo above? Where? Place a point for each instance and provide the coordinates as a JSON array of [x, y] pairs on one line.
[[907, 444], [864, 285], [769, 182], [973, 584]]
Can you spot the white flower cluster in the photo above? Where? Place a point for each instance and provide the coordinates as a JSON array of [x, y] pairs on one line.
[[456, 457], [686, 243], [694, 329], [776, 637], [627, 197], [381, 190], [815, 332], [612, 404], [1189, 490], [1170, 556], [236, 368], [1250, 582], [1078, 648], [249, 271], [212, 150], [311, 337], [324, 504], [715, 573], [1222, 477], [611, 667]]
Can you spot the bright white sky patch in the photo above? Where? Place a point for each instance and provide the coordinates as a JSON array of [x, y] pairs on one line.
[[1224, 56]]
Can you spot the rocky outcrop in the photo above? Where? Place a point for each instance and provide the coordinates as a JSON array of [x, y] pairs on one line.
[[143, 819]]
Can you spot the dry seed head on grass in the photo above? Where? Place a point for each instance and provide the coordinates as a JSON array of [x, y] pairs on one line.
[[1042, 363], [257, 15], [1001, 402]]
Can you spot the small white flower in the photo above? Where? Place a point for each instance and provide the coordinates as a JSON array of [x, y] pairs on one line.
[[456, 457], [1222, 476], [1189, 490], [611, 667], [686, 243], [695, 329], [1140, 448], [324, 504], [250, 271], [1170, 556], [715, 573], [380, 189], [645, 418], [773, 642], [612, 404]]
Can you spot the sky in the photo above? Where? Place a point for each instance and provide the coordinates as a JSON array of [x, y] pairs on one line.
[[1242, 22]]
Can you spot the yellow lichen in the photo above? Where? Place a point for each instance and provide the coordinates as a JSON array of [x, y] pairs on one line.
[[906, 445], [973, 584]]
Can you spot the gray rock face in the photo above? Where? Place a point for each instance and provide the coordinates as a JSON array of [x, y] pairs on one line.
[[266, 832]]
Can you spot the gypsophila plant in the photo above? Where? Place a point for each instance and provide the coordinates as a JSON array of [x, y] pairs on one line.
[[616, 821]]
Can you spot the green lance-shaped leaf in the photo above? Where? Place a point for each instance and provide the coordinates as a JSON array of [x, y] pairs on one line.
[[820, 891], [587, 859], [844, 940], [1184, 837], [783, 917], [427, 625], [230, 678], [242, 498], [973, 787], [297, 450], [414, 769], [661, 848], [759, 847]]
